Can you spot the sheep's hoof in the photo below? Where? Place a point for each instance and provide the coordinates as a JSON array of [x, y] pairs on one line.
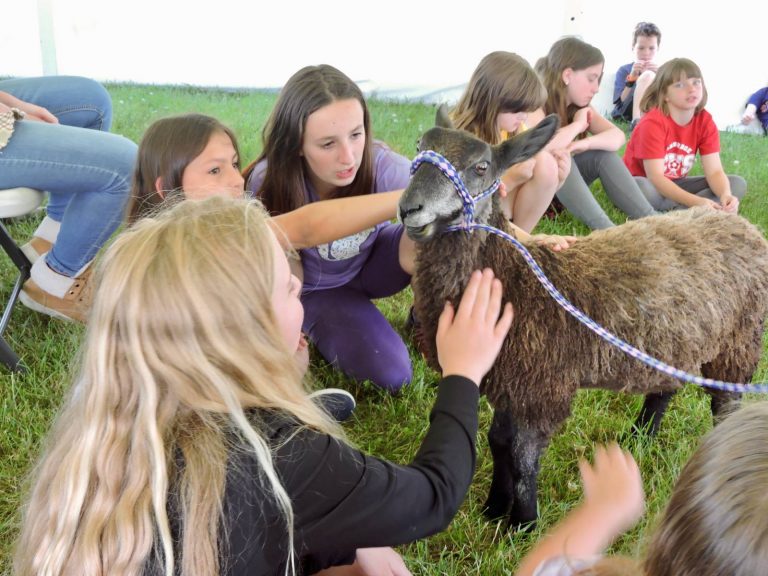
[[494, 511], [524, 527]]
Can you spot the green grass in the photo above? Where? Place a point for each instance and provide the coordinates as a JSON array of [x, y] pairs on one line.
[[385, 426]]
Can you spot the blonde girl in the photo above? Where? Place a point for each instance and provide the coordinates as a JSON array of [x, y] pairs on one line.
[[664, 145], [188, 444], [504, 97], [571, 73]]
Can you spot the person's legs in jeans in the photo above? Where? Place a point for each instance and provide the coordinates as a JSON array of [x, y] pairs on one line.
[[94, 170], [75, 101], [350, 331]]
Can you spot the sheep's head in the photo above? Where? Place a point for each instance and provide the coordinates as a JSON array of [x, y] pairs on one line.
[[431, 202]]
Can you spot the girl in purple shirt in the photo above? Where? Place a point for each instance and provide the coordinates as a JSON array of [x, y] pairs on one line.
[[317, 146]]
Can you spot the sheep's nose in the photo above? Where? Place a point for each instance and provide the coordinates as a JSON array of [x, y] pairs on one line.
[[405, 212]]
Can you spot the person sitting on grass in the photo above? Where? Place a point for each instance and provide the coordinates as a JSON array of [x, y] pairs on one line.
[[663, 146], [633, 79]]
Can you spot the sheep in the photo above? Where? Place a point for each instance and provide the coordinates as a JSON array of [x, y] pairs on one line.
[[688, 287]]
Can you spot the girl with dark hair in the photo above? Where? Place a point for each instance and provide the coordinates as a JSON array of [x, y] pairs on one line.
[[318, 145]]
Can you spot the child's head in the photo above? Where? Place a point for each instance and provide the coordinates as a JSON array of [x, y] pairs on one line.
[[502, 90], [194, 323], [319, 130], [188, 156], [715, 521], [645, 41], [678, 85], [571, 72]]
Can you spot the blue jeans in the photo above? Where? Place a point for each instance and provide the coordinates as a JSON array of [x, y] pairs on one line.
[[85, 169]]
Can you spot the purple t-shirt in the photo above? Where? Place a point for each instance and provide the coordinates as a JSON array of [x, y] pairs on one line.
[[336, 263]]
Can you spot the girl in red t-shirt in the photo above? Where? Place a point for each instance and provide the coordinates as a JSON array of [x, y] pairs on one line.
[[663, 146]]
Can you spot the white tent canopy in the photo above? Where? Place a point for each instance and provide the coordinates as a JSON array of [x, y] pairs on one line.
[[397, 48]]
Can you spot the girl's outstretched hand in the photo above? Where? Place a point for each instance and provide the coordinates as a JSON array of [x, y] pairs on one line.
[[469, 339], [554, 242]]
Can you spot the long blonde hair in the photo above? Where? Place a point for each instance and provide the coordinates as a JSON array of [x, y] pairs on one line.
[[181, 342]]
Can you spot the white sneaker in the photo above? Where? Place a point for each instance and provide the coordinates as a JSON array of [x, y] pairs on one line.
[[338, 403]]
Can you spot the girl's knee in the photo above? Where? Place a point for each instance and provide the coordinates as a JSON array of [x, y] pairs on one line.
[[393, 373], [545, 172], [738, 186], [646, 78]]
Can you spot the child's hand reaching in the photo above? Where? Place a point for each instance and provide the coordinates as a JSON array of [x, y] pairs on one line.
[[613, 502], [469, 339], [613, 488]]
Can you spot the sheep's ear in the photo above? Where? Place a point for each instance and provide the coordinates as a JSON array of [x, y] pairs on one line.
[[442, 118], [527, 144]]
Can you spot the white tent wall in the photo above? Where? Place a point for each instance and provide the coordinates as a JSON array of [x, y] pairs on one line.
[[395, 48]]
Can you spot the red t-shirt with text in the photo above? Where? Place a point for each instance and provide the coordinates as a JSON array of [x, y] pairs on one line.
[[657, 136]]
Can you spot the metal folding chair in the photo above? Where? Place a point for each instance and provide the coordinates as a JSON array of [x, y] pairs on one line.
[[15, 202]]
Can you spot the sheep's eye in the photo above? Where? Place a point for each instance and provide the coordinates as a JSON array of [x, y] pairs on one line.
[[418, 145], [481, 168]]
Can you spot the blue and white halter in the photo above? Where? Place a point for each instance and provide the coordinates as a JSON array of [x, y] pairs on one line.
[[469, 225]]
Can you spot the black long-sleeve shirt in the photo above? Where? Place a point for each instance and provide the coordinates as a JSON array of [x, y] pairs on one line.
[[344, 500]]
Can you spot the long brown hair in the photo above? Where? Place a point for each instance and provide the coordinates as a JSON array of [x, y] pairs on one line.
[[308, 90], [165, 151], [502, 82], [668, 73], [568, 52]]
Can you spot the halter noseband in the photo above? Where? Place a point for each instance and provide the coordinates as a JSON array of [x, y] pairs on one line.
[[449, 171]]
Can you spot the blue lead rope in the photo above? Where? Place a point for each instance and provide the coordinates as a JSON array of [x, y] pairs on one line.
[[469, 225]]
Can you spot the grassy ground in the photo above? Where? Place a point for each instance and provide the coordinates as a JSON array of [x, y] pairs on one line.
[[385, 426]]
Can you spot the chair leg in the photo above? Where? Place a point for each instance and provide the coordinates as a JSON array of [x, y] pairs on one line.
[[22, 263], [9, 357]]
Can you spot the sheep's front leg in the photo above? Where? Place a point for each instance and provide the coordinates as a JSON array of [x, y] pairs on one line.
[[723, 403], [516, 451], [652, 412]]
